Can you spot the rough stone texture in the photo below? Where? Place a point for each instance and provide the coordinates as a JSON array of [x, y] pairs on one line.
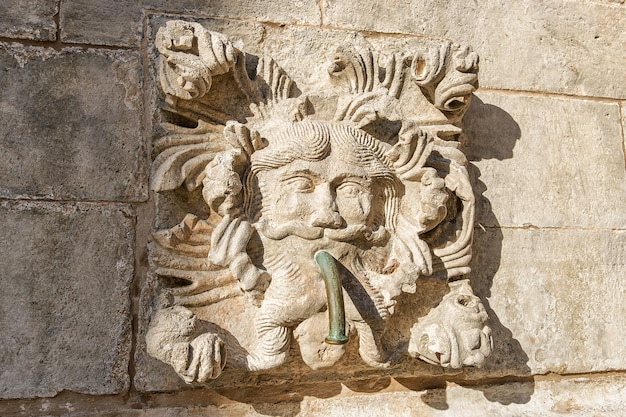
[[582, 396], [28, 19], [556, 299], [101, 23], [550, 183], [555, 45], [546, 161], [119, 23], [64, 298], [71, 124], [623, 113]]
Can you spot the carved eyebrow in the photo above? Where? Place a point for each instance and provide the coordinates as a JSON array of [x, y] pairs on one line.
[[365, 181], [300, 173]]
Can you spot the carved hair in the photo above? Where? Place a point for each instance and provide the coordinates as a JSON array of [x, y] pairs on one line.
[[314, 141]]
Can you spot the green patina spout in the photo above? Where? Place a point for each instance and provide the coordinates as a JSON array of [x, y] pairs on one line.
[[334, 296]]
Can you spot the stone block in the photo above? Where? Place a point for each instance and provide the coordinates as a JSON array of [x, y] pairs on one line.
[[71, 124], [553, 46], [546, 161], [119, 23], [281, 11], [101, 23], [603, 395], [251, 347], [623, 111], [64, 298], [28, 19], [556, 299]]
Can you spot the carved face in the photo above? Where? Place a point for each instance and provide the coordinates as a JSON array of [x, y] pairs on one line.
[[323, 194], [322, 182]]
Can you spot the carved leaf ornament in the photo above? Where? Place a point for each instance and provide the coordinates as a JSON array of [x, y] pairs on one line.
[[384, 195]]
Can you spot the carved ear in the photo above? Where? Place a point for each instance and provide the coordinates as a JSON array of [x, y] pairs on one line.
[[222, 187], [184, 75]]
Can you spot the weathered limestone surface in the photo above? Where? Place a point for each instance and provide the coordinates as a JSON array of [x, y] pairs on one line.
[[582, 396], [547, 162], [556, 298], [71, 124], [547, 170], [555, 45], [64, 298], [28, 19], [119, 23], [102, 23], [623, 112]]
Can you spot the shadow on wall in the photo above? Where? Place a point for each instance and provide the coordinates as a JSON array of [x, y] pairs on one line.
[[492, 134]]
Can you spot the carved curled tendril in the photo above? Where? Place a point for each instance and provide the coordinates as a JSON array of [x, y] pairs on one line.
[[190, 57], [369, 98], [183, 154], [428, 65], [447, 75]]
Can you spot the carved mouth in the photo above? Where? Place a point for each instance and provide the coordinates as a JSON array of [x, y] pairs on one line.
[[358, 232]]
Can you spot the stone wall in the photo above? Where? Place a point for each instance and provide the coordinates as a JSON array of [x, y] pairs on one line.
[[544, 135]]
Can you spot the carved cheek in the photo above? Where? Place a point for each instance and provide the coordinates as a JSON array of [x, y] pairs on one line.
[[290, 205], [355, 207]]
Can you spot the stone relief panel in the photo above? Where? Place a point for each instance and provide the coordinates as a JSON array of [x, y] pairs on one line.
[[315, 218]]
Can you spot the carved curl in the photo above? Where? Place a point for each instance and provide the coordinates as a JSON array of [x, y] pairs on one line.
[[190, 57], [447, 75]]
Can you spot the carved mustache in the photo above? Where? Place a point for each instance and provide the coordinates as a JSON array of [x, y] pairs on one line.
[[345, 234]]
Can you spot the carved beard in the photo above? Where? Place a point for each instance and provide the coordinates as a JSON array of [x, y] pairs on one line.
[[360, 248], [372, 236], [346, 245]]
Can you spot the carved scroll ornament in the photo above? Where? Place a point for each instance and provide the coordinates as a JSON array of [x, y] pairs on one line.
[[312, 222]]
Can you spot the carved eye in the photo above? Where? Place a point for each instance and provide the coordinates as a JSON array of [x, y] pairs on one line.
[[350, 188], [300, 184]]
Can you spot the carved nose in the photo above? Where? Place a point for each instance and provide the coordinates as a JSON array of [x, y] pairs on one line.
[[326, 218], [325, 213]]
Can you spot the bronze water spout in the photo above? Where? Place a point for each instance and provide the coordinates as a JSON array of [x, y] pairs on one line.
[[334, 297]]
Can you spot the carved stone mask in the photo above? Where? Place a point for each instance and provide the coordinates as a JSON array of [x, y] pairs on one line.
[[314, 225], [322, 180]]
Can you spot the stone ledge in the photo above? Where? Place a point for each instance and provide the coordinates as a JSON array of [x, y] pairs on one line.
[[589, 395]]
